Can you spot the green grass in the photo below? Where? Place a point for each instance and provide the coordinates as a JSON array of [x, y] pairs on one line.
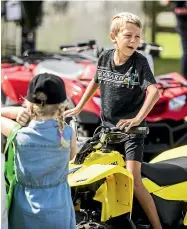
[[171, 45], [163, 66], [169, 60]]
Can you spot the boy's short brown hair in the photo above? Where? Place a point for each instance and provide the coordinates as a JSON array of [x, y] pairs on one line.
[[119, 19]]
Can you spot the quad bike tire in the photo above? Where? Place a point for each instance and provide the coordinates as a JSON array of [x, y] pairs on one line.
[[129, 224], [92, 225], [95, 225]]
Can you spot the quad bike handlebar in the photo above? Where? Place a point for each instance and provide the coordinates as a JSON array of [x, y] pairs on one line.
[[79, 47], [34, 52], [149, 46], [133, 130], [116, 130], [29, 56], [167, 83], [91, 45], [80, 44], [82, 48], [103, 136], [108, 134]]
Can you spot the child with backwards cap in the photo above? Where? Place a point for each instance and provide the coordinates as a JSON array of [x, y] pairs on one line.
[[42, 196]]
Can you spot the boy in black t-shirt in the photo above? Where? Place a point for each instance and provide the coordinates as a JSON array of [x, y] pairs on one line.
[[124, 77]]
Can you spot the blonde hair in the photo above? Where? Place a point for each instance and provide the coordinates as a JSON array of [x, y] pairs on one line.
[[54, 111], [121, 18]]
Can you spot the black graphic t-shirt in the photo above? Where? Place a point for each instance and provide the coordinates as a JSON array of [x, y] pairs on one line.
[[123, 87]]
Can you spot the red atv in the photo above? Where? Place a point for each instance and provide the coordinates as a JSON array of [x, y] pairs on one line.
[[15, 69], [168, 127], [75, 68], [168, 119]]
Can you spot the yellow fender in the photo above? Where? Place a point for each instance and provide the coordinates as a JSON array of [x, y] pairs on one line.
[[98, 157], [115, 194]]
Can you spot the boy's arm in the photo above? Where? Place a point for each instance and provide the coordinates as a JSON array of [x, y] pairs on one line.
[[152, 97], [147, 83], [92, 87]]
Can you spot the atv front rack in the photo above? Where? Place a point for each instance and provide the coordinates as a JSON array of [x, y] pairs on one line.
[[167, 82], [171, 137]]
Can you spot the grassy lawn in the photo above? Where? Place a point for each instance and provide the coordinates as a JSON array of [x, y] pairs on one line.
[[166, 65], [170, 56]]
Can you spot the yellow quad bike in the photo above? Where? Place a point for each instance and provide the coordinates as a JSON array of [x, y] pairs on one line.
[[102, 188]]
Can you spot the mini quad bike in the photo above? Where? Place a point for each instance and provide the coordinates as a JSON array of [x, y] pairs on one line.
[[102, 188]]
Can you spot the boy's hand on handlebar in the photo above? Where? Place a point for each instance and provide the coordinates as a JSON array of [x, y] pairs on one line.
[[72, 112], [23, 116], [128, 123]]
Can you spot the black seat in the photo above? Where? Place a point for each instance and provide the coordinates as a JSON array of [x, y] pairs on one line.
[[167, 172]]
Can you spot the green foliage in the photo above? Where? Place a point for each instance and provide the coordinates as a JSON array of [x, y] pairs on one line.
[[149, 6], [171, 54], [171, 45], [166, 65], [31, 14]]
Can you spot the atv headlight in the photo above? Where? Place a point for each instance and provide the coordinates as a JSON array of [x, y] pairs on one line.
[[177, 103], [97, 100]]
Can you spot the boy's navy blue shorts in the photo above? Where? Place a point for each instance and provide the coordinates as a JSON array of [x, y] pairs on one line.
[[132, 147]]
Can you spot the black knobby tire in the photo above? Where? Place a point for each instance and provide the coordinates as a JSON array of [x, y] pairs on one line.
[[92, 225]]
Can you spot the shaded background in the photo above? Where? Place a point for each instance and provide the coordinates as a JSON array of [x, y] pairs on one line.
[[70, 22]]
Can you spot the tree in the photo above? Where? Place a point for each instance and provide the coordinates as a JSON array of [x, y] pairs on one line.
[[31, 18]]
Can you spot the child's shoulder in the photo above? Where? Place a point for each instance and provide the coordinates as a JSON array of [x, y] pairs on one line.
[[105, 56], [140, 57], [106, 53]]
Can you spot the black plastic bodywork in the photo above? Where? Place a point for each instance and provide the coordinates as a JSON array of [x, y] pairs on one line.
[[170, 212]]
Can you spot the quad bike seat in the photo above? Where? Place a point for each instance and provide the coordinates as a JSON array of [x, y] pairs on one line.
[[168, 172], [65, 68]]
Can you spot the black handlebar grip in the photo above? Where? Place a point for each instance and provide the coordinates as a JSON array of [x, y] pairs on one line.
[[138, 130], [67, 46], [82, 44], [133, 130]]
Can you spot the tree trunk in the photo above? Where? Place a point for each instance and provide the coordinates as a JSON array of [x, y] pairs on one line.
[[28, 39]]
